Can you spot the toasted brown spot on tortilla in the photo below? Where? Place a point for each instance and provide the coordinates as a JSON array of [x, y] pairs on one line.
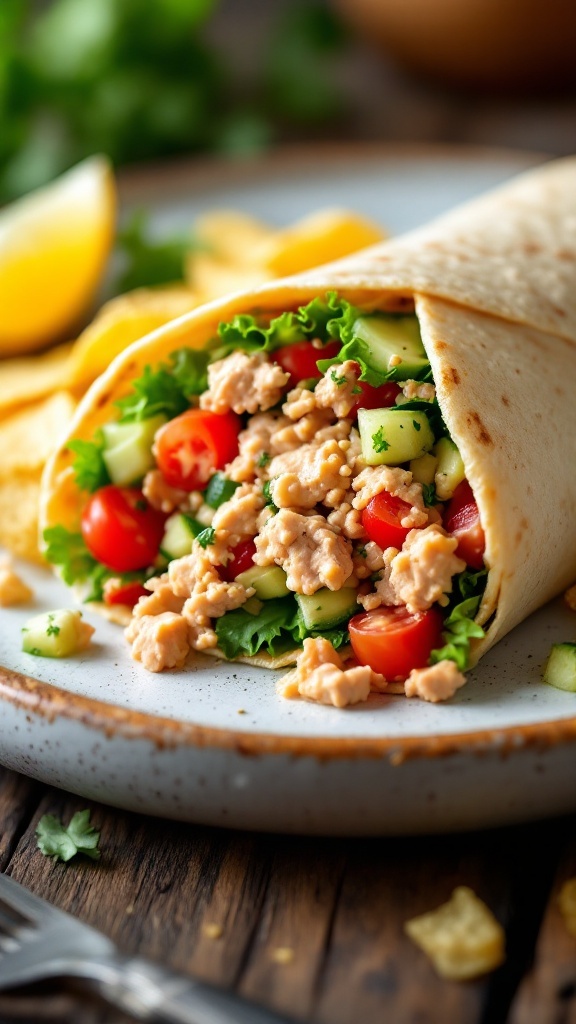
[[531, 247], [559, 311], [565, 254], [473, 419], [505, 400], [440, 346], [103, 400]]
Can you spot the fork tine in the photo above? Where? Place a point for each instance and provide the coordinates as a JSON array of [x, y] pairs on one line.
[[16, 898]]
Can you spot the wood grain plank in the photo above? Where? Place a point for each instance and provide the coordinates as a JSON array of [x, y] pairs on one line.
[[18, 798], [547, 994], [294, 927]]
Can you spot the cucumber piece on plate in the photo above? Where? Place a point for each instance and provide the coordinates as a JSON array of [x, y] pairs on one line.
[[392, 436], [56, 634], [450, 469], [560, 670], [327, 608], [390, 337], [424, 469], [269, 581], [128, 449]]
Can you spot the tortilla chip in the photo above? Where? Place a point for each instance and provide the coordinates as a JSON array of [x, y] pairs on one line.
[[120, 322], [19, 516], [28, 437], [29, 378]]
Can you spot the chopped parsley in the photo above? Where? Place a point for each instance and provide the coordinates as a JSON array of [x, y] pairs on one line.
[[219, 490], [206, 537], [51, 629], [379, 443], [66, 841], [416, 425], [429, 494], [263, 460], [338, 381]]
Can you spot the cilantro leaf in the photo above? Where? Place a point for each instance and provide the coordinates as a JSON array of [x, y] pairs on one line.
[[379, 442], [89, 467], [219, 490], [459, 628], [64, 842], [206, 537], [263, 460], [429, 495]]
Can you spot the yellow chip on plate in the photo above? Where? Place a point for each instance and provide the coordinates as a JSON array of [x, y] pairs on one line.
[[29, 436], [19, 515], [462, 937], [318, 238], [120, 322], [29, 378], [231, 235], [213, 277]]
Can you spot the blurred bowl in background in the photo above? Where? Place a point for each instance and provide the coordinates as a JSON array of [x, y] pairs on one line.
[[516, 45]]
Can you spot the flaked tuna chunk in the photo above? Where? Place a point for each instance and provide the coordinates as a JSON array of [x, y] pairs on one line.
[[421, 573], [256, 446], [338, 390], [311, 474], [375, 479], [159, 641], [435, 683], [311, 553], [237, 518], [244, 383], [320, 675]]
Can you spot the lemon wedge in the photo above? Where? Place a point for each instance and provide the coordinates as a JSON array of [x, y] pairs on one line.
[[54, 244]]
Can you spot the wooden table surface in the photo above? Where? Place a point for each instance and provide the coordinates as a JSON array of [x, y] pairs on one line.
[[225, 906]]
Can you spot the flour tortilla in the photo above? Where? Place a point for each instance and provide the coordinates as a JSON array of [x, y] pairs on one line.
[[494, 287]]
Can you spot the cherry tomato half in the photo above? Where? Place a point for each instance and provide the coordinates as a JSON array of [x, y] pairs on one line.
[[242, 559], [121, 529], [393, 641], [381, 520], [193, 445], [381, 397], [299, 359], [125, 593], [462, 519]]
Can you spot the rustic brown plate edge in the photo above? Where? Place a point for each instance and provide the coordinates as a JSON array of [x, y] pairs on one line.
[[52, 702]]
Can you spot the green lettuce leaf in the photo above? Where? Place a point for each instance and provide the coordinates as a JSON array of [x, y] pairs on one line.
[[167, 389], [320, 318], [68, 551], [89, 467], [459, 629], [277, 628]]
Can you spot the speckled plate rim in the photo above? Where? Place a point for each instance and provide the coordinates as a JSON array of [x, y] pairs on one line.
[[52, 702]]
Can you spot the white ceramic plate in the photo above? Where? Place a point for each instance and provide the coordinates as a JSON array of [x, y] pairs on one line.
[[214, 744]]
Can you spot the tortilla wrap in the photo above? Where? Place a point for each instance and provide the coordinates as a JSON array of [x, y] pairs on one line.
[[494, 287]]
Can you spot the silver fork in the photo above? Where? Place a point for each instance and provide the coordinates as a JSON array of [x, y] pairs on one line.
[[37, 941]]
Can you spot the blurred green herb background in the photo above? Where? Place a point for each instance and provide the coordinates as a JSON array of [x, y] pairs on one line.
[[139, 79]]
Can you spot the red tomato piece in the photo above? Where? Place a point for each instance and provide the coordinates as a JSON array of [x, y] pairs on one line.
[[242, 559], [462, 520], [193, 445], [381, 397], [299, 359], [381, 520], [121, 529], [125, 593], [393, 641]]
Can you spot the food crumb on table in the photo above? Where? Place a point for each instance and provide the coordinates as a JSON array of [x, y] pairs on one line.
[[462, 937], [283, 955], [13, 589]]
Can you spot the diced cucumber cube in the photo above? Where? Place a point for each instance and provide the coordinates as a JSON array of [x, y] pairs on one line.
[[560, 670], [327, 608], [424, 468], [269, 581], [387, 336], [179, 533], [128, 449], [56, 634], [450, 469], [392, 436]]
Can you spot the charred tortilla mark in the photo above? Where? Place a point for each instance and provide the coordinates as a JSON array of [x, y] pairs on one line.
[[505, 400], [473, 420], [559, 311], [565, 254], [103, 400], [450, 377]]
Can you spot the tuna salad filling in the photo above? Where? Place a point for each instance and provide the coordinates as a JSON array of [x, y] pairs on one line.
[[291, 490]]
